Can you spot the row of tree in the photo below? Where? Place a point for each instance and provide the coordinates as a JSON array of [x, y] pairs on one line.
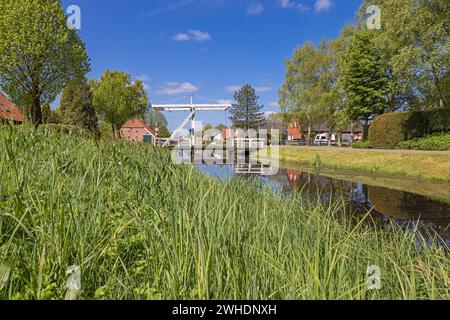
[[364, 73], [40, 56]]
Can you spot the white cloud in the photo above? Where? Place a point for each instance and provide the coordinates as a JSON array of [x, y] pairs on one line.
[[323, 5], [172, 88], [255, 8], [286, 3], [225, 101], [193, 35], [143, 77], [168, 8], [290, 4], [233, 88], [263, 89], [274, 104]]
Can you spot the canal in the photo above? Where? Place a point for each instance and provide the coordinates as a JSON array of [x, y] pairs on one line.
[[409, 203]]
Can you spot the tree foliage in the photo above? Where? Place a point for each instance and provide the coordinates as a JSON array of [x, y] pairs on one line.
[[164, 133], [117, 99], [245, 112], [76, 107], [364, 78], [155, 118], [39, 54], [307, 91], [415, 43]]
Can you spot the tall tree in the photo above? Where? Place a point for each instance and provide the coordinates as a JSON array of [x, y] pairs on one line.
[[306, 92], [415, 40], [155, 118], [117, 99], [246, 113], [76, 107], [39, 54], [364, 79]]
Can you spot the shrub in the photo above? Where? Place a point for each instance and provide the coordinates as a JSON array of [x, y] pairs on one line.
[[389, 129], [439, 120], [438, 142], [363, 145]]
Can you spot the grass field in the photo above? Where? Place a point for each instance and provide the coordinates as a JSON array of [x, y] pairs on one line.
[[421, 165], [141, 228]]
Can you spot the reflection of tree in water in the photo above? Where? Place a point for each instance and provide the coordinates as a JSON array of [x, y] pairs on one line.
[[385, 203], [407, 206]]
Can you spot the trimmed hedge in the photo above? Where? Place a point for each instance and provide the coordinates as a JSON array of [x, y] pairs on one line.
[[390, 129], [439, 120], [362, 145]]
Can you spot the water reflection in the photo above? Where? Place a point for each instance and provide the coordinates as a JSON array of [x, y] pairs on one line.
[[386, 204]]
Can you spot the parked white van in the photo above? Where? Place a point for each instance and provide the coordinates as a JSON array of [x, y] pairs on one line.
[[322, 139]]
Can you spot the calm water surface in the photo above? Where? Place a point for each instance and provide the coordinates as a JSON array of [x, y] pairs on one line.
[[407, 209]]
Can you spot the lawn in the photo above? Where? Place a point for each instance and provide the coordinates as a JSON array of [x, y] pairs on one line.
[[139, 227], [422, 165]]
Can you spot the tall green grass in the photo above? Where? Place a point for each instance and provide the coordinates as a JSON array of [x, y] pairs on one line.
[[140, 227]]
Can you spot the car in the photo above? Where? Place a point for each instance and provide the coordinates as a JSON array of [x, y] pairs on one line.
[[322, 139]]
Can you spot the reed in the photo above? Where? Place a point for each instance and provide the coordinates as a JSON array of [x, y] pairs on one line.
[[139, 227]]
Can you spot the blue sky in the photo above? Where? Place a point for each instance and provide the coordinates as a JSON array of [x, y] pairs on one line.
[[206, 48]]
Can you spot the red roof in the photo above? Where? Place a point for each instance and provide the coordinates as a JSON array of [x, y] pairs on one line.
[[9, 110], [136, 123]]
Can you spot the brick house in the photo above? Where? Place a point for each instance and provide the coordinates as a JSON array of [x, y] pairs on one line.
[[137, 131], [9, 112], [295, 131]]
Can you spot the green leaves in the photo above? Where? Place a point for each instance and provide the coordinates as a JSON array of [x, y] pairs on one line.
[[76, 107], [246, 113], [364, 77], [38, 53], [116, 99]]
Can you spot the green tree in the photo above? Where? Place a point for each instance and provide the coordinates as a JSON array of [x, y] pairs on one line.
[[116, 99], [155, 118], [221, 126], [207, 127], [49, 115], [341, 121], [164, 133], [306, 92], [39, 54], [364, 79], [415, 42], [246, 113], [76, 107]]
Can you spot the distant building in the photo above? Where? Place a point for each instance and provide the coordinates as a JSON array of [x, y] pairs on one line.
[[9, 112], [296, 132], [137, 131]]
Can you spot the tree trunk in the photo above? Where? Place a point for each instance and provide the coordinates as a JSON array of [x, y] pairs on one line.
[[437, 83], [309, 134], [352, 132], [366, 130], [113, 131], [36, 111]]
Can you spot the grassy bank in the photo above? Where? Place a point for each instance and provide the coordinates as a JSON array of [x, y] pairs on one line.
[[142, 228], [426, 165]]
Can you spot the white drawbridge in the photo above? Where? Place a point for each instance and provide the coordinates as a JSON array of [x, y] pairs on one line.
[[192, 109]]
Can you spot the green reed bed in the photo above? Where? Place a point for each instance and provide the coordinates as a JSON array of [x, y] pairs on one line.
[[140, 227]]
